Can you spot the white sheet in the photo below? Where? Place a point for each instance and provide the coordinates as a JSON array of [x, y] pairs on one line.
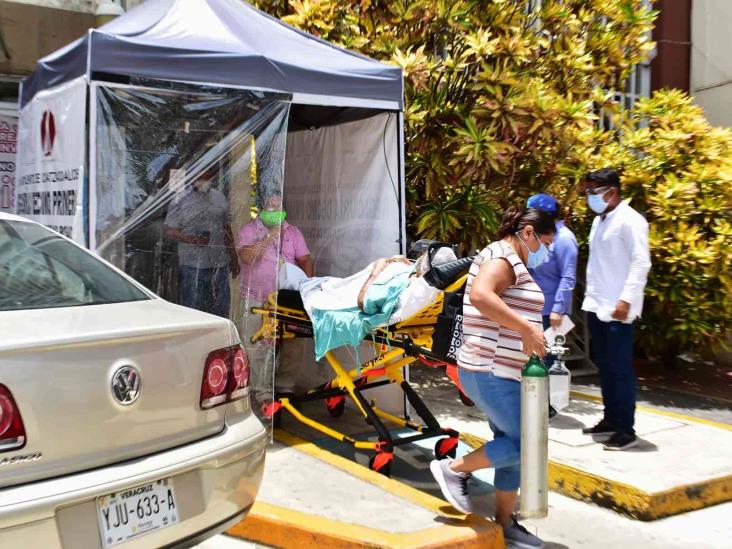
[[413, 299], [332, 293]]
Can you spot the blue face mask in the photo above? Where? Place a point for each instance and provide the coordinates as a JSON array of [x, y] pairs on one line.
[[596, 203], [535, 258]]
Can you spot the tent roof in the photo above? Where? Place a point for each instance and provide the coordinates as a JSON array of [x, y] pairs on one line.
[[222, 42]]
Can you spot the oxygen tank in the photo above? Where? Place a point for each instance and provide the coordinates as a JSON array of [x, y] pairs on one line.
[[534, 502]]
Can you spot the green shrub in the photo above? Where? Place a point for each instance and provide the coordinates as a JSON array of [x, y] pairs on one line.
[[677, 169], [501, 102]]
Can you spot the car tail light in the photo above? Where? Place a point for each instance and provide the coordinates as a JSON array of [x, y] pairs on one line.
[[239, 374], [12, 432], [225, 377]]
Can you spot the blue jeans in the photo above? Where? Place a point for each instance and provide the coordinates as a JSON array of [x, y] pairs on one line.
[[205, 289], [611, 349], [500, 400]]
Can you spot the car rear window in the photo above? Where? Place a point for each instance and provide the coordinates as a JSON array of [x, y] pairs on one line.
[[40, 270]]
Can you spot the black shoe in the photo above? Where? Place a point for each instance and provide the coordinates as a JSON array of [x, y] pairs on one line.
[[552, 411], [621, 441], [602, 429]]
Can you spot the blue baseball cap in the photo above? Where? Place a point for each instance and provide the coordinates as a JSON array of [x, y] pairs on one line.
[[544, 202]]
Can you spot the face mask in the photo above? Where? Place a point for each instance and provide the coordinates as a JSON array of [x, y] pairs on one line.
[[535, 258], [272, 219], [596, 203]]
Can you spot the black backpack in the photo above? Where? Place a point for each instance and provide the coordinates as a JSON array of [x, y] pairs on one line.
[[448, 336]]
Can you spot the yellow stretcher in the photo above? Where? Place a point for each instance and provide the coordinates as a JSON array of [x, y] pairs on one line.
[[283, 317]]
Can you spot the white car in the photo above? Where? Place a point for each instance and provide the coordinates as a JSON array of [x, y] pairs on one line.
[[124, 419]]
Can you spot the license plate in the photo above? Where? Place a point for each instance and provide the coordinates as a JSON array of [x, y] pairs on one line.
[[134, 512]]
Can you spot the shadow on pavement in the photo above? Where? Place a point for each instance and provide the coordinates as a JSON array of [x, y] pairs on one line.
[[411, 464], [561, 421], [670, 399]]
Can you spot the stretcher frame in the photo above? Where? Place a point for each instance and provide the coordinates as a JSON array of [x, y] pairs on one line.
[[399, 345]]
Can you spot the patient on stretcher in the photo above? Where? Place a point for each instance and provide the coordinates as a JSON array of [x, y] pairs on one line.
[[344, 310], [347, 312]]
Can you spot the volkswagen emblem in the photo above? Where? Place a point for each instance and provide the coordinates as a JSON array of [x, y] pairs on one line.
[[126, 385]]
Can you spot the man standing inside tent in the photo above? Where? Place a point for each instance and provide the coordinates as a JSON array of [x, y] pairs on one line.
[[200, 223]]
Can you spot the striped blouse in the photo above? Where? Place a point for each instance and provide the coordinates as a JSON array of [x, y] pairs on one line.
[[488, 346]]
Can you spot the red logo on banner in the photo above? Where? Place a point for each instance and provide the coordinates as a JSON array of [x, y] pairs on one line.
[[48, 132]]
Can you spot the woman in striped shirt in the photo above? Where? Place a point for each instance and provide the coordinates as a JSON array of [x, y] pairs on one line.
[[502, 327]]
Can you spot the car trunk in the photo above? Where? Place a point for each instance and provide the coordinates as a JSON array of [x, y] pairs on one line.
[[59, 365]]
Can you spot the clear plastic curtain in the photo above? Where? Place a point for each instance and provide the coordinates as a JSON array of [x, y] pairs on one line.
[[342, 192], [180, 173]]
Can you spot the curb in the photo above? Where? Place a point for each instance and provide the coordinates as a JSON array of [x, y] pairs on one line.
[[280, 527], [423, 499], [283, 527], [629, 500], [634, 502]]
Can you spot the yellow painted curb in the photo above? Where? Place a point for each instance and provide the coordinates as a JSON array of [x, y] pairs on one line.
[[647, 410], [280, 527], [395, 487], [627, 499]]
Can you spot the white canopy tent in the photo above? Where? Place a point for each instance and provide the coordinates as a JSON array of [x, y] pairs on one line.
[[116, 125]]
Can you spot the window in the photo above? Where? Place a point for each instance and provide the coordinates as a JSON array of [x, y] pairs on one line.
[[637, 85], [39, 270]]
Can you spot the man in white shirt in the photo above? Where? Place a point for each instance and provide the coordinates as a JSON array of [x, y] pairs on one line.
[[617, 271]]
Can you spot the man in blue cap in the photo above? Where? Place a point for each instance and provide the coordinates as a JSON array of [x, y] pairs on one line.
[[557, 275]]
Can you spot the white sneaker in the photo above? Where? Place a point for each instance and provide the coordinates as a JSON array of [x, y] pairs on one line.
[[519, 537], [454, 485]]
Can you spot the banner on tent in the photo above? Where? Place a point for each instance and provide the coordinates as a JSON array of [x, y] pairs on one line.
[[50, 161], [8, 148]]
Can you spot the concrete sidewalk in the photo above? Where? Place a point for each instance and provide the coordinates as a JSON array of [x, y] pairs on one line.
[[671, 399], [312, 498], [681, 464], [318, 492]]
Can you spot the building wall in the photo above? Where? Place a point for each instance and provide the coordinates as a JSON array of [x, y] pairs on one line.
[[711, 59], [672, 34], [30, 32], [86, 6]]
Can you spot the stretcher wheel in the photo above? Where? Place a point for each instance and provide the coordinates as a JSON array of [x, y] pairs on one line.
[[336, 405], [446, 447], [273, 411], [381, 463]]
